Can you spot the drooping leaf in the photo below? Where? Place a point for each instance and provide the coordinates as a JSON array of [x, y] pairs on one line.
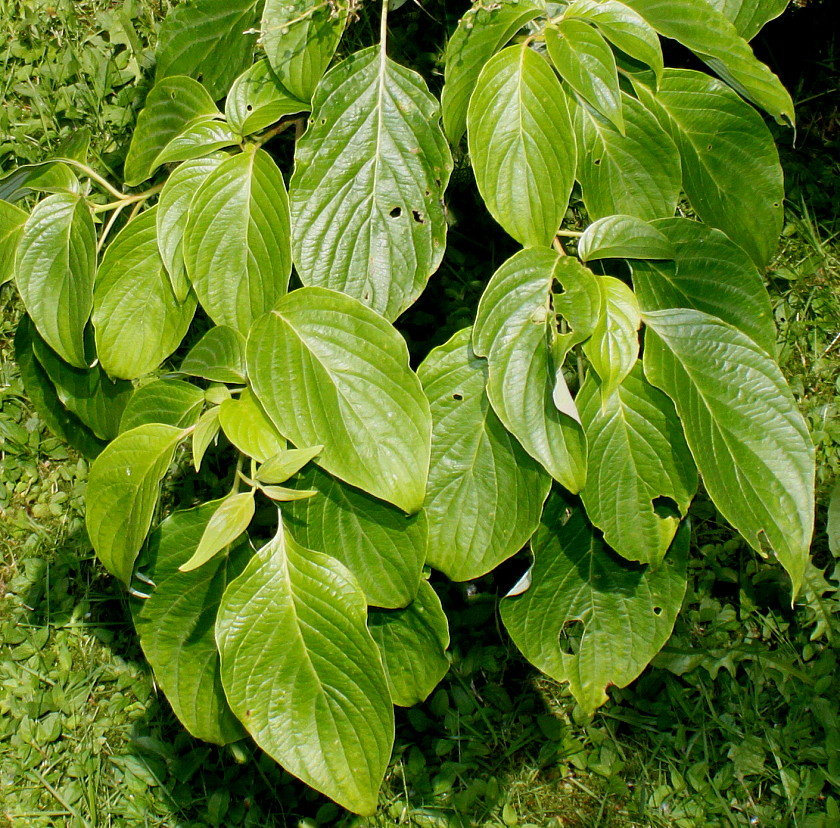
[[176, 624], [172, 105], [485, 493], [522, 144], [480, 33], [747, 436], [317, 338], [210, 40], [382, 547], [281, 466], [236, 242], [709, 273], [638, 457], [218, 356], [206, 431], [366, 194], [122, 492], [298, 617], [168, 401], [589, 617], [624, 237], [55, 270], [137, 319], [229, 520], [585, 61], [249, 429], [723, 142], [514, 329], [749, 16], [196, 140], [636, 174], [44, 176], [12, 220], [257, 100], [413, 644]]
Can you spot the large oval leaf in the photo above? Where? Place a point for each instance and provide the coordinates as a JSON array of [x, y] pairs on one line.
[[522, 145], [485, 493], [618, 614], [257, 100], [370, 413], [169, 401], [55, 271], [366, 195], [747, 436], [236, 242], [303, 674]]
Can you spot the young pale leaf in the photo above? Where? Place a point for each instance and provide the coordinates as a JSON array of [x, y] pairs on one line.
[[723, 142], [175, 624], [137, 319], [211, 40], [55, 270], [282, 494], [303, 674], [317, 338], [383, 548], [480, 33], [485, 493], [197, 140], [281, 466], [514, 329], [122, 493], [236, 242], [168, 401], [715, 41], [257, 100], [413, 644], [366, 194], [636, 174], [218, 356], [747, 436], [249, 429], [749, 16], [585, 61], [205, 432], [300, 37], [172, 105], [709, 273], [613, 347], [624, 237], [639, 466], [522, 145], [619, 613], [12, 220], [230, 519]]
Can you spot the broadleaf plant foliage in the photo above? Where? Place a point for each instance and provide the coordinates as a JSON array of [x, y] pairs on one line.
[[240, 311]]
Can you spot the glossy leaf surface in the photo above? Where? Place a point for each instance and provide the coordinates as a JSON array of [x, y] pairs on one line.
[[218, 356], [168, 401], [281, 466], [257, 100], [12, 220], [197, 140], [749, 16], [249, 429], [624, 237], [229, 520]]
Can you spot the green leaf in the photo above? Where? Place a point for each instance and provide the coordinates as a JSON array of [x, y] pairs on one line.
[[749, 16], [585, 61], [723, 142], [522, 145], [205, 433], [12, 220], [169, 401], [281, 466], [638, 457], [413, 644], [45, 176], [137, 319], [229, 520], [298, 617], [176, 624], [382, 547], [55, 270], [589, 617], [624, 27], [715, 41], [710, 274], [485, 493], [833, 523], [480, 33], [172, 105], [249, 429], [624, 237], [747, 436], [317, 338], [366, 194], [514, 329], [613, 347], [197, 140], [122, 493], [257, 100], [283, 494], [636, 174], [211, 40], [218, 356], [236, 242], [300, 38]]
